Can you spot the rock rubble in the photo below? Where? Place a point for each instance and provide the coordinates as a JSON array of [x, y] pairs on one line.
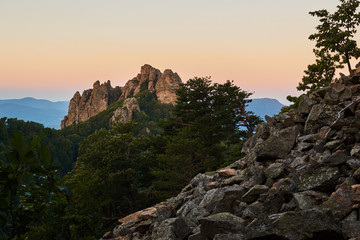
[[300, 180]]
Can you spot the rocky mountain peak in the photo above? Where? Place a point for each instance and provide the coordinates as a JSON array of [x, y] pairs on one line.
[[90, 102], [300, 179], [163, 84], [97, 99]]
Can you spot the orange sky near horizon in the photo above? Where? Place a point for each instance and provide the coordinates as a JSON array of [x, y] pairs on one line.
[[51, 49]]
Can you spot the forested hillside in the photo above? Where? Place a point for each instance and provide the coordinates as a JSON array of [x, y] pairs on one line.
[[104, 168]]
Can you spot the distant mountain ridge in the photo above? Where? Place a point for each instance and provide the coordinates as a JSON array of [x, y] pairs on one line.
[[265, 106], [51, 113], [42, 111]]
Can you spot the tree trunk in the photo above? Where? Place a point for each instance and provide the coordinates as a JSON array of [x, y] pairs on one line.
[[348, 62]]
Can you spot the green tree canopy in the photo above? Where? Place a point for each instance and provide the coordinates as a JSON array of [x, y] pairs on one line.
[[335, 47], [208, 120], [27, 188], [336, 32]]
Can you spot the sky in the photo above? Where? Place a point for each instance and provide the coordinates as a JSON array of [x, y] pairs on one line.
[[51, 49]]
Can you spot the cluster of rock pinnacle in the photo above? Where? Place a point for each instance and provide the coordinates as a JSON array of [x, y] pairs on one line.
[[101, 96]]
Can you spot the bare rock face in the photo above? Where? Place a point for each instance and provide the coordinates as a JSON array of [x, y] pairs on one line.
[[163, 84], [146, 79], [91, 102], [125, 113], [166, 86], [299, 180]]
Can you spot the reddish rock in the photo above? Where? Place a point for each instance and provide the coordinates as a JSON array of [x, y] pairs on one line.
[[340, 201], [163, 84], [91, 102], [139, 216], [227, 172]]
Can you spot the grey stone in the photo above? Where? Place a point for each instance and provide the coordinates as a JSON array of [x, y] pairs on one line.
[[337, 159], [319, 178], [305, 104], [300, 225], [275, 170], [221, 223], [320, 115], [353, 163], [279, 143], [254, 192], [172, 228]]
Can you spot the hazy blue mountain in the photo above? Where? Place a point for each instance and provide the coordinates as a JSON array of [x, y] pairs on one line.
[[265, 106], [30, 109], [51, 113]]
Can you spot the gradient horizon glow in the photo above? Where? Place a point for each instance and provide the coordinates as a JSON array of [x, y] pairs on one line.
[[51, 49]]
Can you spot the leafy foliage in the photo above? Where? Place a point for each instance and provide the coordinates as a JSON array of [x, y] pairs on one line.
[[118, 169], [336, 32], [111, 171], [335, 46], [208, 120], [27, 187]]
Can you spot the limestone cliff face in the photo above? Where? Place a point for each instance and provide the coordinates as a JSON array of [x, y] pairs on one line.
[[125, 113], [166, 86], [91, 102], [163, 84]]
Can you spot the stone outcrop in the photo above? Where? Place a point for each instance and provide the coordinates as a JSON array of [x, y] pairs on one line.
[[125, 113], [91, 102], [163, 84], [300, 179]]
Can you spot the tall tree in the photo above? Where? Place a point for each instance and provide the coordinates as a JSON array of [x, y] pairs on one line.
[[27, 188], [319, 74], [336, 32], [335, 46], [209, 119], [111, 171]]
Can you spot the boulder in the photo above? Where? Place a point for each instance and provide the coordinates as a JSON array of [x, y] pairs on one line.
[[275, 170], [302, 225], [221, 223], [173, 228], [336, 159], [321, 178], [227, 172], [254, 192], [279, 143], [305, 104]]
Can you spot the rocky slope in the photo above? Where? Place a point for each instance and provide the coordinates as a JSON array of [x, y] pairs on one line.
[[93, 101], [299, 180]]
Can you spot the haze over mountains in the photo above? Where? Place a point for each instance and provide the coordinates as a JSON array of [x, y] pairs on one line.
[[36, 110], [51, 113]]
